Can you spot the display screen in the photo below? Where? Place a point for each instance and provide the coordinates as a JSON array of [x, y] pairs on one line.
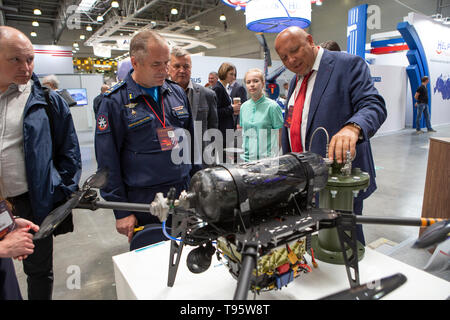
[[79, 95]]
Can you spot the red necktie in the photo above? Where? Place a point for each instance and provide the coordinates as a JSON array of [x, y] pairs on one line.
[[296, 125]]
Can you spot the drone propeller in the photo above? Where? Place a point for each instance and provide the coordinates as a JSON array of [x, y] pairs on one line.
[[97, 180], [434, 234], [54, 218], [370, 291]]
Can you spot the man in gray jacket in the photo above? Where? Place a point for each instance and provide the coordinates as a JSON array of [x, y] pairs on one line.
[[203, 100]]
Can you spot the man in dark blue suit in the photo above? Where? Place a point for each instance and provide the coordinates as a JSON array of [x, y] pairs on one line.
[[339, 96]]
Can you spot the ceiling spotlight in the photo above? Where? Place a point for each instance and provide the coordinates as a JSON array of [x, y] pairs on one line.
[[437, 17], [238, 7], [35, 24], [99, 18], [318, 2], [174, 11], [222, 17], [89, 28], [114, 4], [196, 28], [82, 36], [37, 12], [75, 44], [33, 34]]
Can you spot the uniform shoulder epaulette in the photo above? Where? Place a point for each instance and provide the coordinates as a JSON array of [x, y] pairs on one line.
[[114, 88]]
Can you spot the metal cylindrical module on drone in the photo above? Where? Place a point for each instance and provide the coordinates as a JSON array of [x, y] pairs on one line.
[[215, 193]]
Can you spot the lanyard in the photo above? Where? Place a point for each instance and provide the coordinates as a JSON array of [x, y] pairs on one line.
[[162, 104]]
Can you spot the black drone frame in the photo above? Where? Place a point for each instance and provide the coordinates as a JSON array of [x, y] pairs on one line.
[[190, 229]]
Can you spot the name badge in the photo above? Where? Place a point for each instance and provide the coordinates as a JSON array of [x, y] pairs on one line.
[[167, 138], [288, 120], [7, 223]]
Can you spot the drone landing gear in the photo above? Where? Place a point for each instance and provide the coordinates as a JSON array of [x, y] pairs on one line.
[[346, 228], [249, 255]]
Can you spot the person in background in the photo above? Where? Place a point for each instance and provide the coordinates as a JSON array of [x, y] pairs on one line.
[[40, 167], [225, 109], [98, 99], [333, 90], [52, 82], [203, 101], [213, 77], [238, 95], [123, 69], [330, 45], [421, 104], [259, 118]]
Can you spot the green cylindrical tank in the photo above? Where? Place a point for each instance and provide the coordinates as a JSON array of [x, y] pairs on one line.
[[344, 184]]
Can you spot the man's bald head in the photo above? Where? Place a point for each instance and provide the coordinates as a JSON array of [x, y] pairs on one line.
[[296, 49], [9, 34], [16, 57]]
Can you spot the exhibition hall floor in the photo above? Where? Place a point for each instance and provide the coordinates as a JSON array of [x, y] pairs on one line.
[[83, 266]]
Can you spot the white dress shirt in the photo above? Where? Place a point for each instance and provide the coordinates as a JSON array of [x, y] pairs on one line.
[[309, 90], [12, 158]]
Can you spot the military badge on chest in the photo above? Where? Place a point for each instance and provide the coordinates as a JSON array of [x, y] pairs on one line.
[[131, 106], [180, 111]]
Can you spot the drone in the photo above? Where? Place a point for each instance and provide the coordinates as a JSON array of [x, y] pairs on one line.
[[260, 217]]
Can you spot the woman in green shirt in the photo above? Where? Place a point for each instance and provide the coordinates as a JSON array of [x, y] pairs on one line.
[[261, 120]]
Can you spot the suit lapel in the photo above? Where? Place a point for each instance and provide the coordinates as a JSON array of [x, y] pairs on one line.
[[323, 76]]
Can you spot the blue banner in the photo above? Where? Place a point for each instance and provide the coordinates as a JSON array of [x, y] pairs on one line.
[[356, 30]]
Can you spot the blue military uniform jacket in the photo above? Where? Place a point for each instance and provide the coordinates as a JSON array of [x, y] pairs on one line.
[[127, 143]]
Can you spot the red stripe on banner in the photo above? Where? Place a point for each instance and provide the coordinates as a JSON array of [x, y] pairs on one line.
[[383, 50], [51, 51], [62, 55]]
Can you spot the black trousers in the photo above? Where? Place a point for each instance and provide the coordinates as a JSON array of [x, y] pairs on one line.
[[39, 265]]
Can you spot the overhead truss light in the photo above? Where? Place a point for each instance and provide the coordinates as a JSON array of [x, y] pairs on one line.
[[99, 18], [33, 34], [35, 24], [86, 5], [222, 17], [114, 4], [174, 11], [37, 12], [89, 28]]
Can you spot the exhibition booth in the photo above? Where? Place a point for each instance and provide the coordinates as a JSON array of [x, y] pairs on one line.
[[265, 219], [388, 70]]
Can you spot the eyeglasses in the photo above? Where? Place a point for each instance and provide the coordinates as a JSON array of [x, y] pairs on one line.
[[179, 66]]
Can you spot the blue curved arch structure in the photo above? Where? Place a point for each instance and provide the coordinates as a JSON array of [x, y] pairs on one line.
[[418, 66]]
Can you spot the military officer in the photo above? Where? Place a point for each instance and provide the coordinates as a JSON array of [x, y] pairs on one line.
[[138, 133]]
